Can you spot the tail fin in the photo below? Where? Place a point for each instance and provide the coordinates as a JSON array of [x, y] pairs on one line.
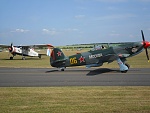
[[57, 58]]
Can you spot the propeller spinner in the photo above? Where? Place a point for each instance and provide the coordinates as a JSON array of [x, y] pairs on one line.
[[146, 44]]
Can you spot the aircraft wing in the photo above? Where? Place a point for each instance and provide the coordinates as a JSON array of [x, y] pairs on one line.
[[37, 46], [29, 46], [42, 45], [111, 57]]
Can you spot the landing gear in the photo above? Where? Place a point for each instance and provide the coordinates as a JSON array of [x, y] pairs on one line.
[[124, 71], [123, 66], [40, 56], [127, 65], [23, 58], [11, 58], [62, 68]]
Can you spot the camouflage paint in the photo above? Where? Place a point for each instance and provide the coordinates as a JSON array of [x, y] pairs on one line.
[[123, 51]]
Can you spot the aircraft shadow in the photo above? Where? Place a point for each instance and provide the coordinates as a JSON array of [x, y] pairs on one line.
[[90, 72], [51, 71], [101, 71], [21, 59]]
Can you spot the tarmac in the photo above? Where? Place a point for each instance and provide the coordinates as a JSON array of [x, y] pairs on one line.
[[51, 77]]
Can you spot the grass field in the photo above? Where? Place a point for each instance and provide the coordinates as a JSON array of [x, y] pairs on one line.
[[138, 61], [75, 100]]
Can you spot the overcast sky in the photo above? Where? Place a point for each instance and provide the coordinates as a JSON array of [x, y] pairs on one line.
[[66, 22]]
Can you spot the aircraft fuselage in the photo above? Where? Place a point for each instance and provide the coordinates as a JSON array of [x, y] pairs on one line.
[[24, 52], [98, 57]]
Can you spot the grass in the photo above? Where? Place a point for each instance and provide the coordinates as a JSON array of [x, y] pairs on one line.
[[138, 61], [75, 100]]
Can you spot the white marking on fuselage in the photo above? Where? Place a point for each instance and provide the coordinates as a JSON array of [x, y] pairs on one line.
[[95, 56]]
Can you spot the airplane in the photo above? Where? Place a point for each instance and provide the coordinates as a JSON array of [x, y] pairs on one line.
[[96, 58], [26, 50]]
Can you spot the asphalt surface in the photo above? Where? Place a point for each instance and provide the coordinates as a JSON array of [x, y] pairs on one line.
[[45, 77]]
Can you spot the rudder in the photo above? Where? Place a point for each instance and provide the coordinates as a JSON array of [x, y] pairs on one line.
[[57, 58]]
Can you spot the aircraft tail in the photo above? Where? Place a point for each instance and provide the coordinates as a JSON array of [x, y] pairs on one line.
[[57, 58]]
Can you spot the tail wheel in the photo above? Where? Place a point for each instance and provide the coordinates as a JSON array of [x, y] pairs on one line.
[[62, 68]]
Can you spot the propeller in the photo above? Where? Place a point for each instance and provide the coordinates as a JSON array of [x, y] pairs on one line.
[[11, 47], [146, 44]]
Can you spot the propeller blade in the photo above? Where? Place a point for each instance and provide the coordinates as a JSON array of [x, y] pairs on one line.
[[146, 44], [11, 47], [147, 54], [143, 36]]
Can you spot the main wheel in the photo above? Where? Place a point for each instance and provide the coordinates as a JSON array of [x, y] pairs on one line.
[[124, 71], [40, 56], [23, 58], [11, 58]]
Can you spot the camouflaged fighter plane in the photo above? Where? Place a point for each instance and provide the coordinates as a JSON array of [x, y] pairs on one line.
[[98, 57]]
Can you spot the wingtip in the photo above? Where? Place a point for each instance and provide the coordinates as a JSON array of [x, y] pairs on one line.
[[50, 45]]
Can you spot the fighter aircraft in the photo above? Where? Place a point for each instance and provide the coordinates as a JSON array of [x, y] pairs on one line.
[[98, 57], [27, 50]]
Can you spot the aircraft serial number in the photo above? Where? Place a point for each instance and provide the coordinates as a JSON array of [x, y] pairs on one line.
[[95, 56], [73, 60]]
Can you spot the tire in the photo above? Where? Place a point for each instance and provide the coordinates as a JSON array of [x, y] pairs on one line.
[[40, 56], [124, 71], [23, 58], [11, 58]]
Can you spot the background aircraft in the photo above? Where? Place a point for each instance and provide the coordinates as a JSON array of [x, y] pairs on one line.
[[27, 50], [96, 58]]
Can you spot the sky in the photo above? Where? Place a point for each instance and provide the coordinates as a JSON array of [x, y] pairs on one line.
[[67, 22]]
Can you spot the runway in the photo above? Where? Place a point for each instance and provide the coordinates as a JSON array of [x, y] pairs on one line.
[[45, 77]]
